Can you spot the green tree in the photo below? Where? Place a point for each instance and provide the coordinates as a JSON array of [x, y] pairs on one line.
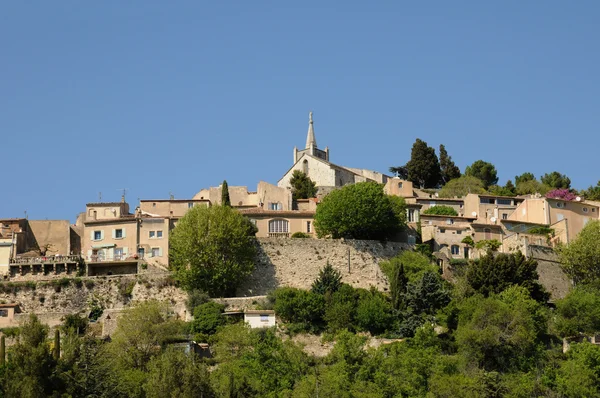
[[212, 249], [225, 200], [415, 265], [441, 210], [526, 184], [328, 281], [175, 374], [579, 312], [556, 180], [493, 274], [302, 186], [579, 375], [428, 294], [423, 168], [592, 193], [485, 171], [527, 176], [358, 211], [207, 318], [398, 284], [374, 312], [341, 308], [462, 186], [449, 170], [581, 258], [301, 308]]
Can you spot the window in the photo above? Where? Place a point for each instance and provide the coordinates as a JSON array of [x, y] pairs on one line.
[[504, 216], [274, 206], [593, 209], [411, 215], [308, 227], [264, 317], [585, 209], [118, 253], [156, 252], [141, 252], [3, 313], [278, 226], [153, 204], [97, 235], [399, 185], [559, 205], [190, 205], [442, 230], [118, 233], [159, 234], [151, 234], [458, 231], [506, 202], [455, 250]]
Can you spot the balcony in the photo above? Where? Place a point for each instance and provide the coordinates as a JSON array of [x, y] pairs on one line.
[[45, 260], [114, 258], [279, 234]]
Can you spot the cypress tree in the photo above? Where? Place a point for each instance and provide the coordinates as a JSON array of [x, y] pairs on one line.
[[398, 286], [423, 167], [2, 352], [225, 201], [449, 170], [56, 351]]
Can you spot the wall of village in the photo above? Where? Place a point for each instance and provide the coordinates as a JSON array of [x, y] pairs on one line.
[[53, 234]]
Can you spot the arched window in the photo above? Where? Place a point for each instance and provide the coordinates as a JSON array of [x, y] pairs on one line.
[[455, 250], [278, 226], [305, 167]]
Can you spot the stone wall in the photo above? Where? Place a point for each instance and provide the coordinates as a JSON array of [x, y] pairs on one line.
[[550, 272], [296, 263]]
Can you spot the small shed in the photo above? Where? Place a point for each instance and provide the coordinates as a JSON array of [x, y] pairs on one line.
[[7, 314], [260, 318]]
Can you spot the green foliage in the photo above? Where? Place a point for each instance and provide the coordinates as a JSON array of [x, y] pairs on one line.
[[579, 375], [581, 258], [212, 249], [449, 171], [374, 313], [76, 323], [507, 190], [415, 265], [56, 347], [328, 281], [398, 284], [592, 193], [303, 309], [2, 351], [441, 210], [493, 274], [467, 240], [488, 244], [125, 288], [195, 298], [427, 295], [11, 332], [579, 312], [207, 318], [340, 309], [300, 235], [358, 211], [423, 168], [302, 186], [462, 186], [96, 310], [556, 180], [225, 200], [541, 230], [485, 171], [527, 184]]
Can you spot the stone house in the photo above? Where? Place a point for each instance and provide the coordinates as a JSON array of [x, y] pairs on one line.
[[7, 315]]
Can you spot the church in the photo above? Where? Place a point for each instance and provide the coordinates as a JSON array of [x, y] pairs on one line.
[[315, 163]]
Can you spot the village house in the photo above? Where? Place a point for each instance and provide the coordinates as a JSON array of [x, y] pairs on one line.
[[7, 315]]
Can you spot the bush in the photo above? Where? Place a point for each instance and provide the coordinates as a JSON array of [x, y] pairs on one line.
[[441, 210], [341, 309], [76, 323], [329, 280], [207, 318], [374, 313], [415, 265], [195, 298], [300, 307], [300, 235]]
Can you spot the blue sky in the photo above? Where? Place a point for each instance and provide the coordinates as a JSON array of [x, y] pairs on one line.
[[161, 97]]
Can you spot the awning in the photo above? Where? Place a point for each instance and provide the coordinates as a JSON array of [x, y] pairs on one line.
[[104, 246]]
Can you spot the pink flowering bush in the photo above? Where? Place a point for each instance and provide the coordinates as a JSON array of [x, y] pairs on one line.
[[563, 194]]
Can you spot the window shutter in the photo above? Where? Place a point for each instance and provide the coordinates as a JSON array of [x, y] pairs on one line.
[[160, 252], [101, 234], [124, 250], [92, 235], [114, 233], [123, 232]]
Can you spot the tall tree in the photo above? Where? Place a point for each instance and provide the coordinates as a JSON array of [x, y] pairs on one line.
[[212, 249], [302, 186], [423, 168], [556, 180], [581, 258], [592, 193], [485, 171], [225, 200], [527, 176], [449, 170]]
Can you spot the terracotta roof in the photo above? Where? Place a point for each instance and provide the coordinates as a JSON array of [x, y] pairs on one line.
[[257, 211], [105, 204]]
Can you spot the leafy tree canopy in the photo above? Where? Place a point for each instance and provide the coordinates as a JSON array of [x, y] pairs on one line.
[[485, 171], [212, 249], [592, 193], [449, 170], [207, 318], [579, 312], [423, 168], [414, 264], [441, 210], [462, 186], [359, 211], [556, 180], [302, 186], [581, 258], [527, 176]]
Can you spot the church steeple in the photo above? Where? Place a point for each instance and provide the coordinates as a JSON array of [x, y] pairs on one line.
[[310, 137]]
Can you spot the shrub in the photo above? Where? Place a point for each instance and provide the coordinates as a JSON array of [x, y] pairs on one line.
[[76, 323], [415, 265], [195, 298], [303, 308], [341, 309], [300, 235], [125, 288], [441, 210], [89, 283], [373, 313], [11, 332], [329, 280], [488, 244], [96, 310], [207, 318], [563, 194]]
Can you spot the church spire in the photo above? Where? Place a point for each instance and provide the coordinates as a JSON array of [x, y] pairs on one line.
[[310, 138]]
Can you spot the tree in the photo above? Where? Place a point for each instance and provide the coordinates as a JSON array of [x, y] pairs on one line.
[[302, 186], [581, 258], [592, 193], [212, 249], [400, 172], [302, 308], [448, 169], [462, 186], [225, 201], [526, 184], [579, 312], [373, 313], [423, 168], [328, 281], [485, 171], [509, 187], [398, 284], [524, 178], [358, 211], [556, 180], [207, 318], [441, 210], [493, 274]]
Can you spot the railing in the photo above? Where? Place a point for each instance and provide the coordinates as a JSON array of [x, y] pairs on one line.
[[45, 260], [279, 234], [116, 257]]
